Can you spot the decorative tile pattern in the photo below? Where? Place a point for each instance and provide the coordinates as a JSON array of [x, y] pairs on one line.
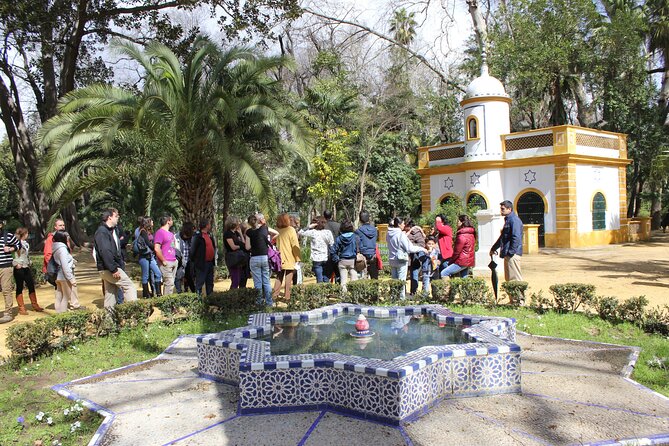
[[383, 390]]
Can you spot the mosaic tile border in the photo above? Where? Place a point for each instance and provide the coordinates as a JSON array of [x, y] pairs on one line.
[[411, 383]]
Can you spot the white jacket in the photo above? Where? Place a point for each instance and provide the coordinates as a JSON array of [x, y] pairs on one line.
[[398, 242], [321, 240], [64, 259]]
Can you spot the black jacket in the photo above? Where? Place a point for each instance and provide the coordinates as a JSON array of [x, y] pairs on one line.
[[197, 250], [108, 256]]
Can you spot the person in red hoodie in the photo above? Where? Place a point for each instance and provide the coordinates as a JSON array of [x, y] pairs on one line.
[[445, 234], [463, 255]]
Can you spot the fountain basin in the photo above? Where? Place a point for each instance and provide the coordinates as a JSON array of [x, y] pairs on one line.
[[392, 391]]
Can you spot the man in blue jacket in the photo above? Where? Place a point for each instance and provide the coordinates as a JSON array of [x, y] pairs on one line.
[[368, 235], [510, 242]]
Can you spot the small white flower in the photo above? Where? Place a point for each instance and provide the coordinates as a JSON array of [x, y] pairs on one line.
[[39, 416], [74, 426], [49, 421], [56, 443], [66, 412]]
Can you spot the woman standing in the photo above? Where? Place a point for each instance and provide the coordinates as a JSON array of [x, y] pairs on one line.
[[289, 247], [235, 257], [463, 253], [399, 248], [417, 238], [23, 274], [321, 241], [445, 237], [344, 251], [257, 242], [66, 283], [147, 259]]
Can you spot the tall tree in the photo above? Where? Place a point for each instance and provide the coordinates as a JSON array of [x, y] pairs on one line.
[[204, 122]]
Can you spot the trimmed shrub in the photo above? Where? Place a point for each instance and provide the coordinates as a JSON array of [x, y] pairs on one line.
[[30, 339], [132, 314], [540, 303], [607, 308], [364, 292], [243, 300], [73, 327], [179, 306], [308, 297], [632, 310], [657, 320], [36, 269], [470, 290], [102, 322], [393, 289], [514, 290], [441, 291], [568, 297]]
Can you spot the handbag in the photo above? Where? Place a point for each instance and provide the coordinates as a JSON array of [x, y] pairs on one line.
[[402, 255], [274, 258], [234, 259], [360, 263]]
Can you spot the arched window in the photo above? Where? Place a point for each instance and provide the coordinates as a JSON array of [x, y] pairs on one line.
[[472, 128], [477, 200], [449, 199], [598, 212]]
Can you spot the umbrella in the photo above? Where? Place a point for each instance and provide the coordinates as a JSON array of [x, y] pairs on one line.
[[493, 277]]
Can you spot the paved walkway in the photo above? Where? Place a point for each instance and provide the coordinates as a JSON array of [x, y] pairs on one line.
[[574, 392]]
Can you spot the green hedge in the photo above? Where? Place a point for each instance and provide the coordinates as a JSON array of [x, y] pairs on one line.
[[315, 295]]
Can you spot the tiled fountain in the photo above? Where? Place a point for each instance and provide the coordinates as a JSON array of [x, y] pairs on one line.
[[281, 362]]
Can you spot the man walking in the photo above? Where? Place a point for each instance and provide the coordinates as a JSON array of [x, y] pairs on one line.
[[166, 255], [510, 242], [203, 257], [109, 262], [8, 245]]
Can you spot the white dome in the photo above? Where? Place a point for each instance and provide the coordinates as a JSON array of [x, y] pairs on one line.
[[485, 85]]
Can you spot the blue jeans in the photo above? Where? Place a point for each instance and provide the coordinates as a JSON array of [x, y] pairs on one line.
[[260, 272], [150, 264], [451, 269], [318, 268], [398, 270], [205, 277], [421, 262]]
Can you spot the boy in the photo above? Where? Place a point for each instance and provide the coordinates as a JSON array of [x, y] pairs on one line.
[[430, 263]]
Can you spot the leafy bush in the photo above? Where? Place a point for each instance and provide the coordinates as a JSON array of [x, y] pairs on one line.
[[132, 314], [179, 306], [72, 326], [36, 269], [632, 310], [30, 339], [221, 272], [308, 297], [657, 320], [441, 291], [365, 292], [607, 308], [393, 289], [515, 292], [540, 303], [102, 322], [241, 300], [470, 290], [568, 297]]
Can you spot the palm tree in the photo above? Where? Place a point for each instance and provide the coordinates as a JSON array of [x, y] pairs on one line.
[[658, 18], [403, 26], [198, 125]]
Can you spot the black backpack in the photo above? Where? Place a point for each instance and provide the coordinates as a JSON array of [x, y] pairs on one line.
[[52, 269]]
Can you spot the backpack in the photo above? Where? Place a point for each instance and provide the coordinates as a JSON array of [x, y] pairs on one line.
[[139, 246], [274, 258], [52, 269]]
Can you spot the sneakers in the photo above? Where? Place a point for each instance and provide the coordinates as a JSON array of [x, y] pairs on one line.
[[6, 318]]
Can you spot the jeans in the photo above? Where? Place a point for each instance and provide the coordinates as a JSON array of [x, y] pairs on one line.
[[420, 262], [205, 277], [398, 270], [150, 264], [260, 272], [318, 268], [451, 269]]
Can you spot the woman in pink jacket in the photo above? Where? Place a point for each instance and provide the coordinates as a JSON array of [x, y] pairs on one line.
[[464, 253], [445, 236]]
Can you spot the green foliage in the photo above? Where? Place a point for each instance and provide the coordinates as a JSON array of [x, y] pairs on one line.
[[332, 166], [568, 297], [441, 291], [308, 297], [540, 303], [633, 309], [607, 308], [132, 314], [30, 339], [72, 325], [366, 291], [515, 291], [451, 209], [179, 306], [235, 301], [469, 290], [657, 320]]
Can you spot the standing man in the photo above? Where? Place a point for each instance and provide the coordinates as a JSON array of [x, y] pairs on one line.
[[8, 245], [203, 257], [109, 262], [166, 255], [368, 235], [510, 242], [331, 267], [58, 225]]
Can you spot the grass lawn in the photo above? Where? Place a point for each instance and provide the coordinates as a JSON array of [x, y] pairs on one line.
[[26, 391]]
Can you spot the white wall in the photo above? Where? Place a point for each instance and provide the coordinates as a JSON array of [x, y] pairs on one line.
[[542, 178], [592, 179]]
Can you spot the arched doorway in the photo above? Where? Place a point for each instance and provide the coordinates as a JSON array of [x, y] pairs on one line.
[[530, 208]]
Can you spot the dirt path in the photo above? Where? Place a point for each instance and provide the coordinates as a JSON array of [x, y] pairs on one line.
[[622, 271]]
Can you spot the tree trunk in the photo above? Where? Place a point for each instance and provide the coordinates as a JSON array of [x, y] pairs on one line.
[[77, 234], [196, 197], [637, 201], [227, 193], [656, 207], [480, 27], [664, 94]]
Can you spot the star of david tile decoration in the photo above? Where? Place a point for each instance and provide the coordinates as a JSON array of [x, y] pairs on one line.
[[474, 179], [530, 176], [448, 183]]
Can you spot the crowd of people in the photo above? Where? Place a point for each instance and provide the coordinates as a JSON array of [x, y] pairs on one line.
[[172, 262]]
